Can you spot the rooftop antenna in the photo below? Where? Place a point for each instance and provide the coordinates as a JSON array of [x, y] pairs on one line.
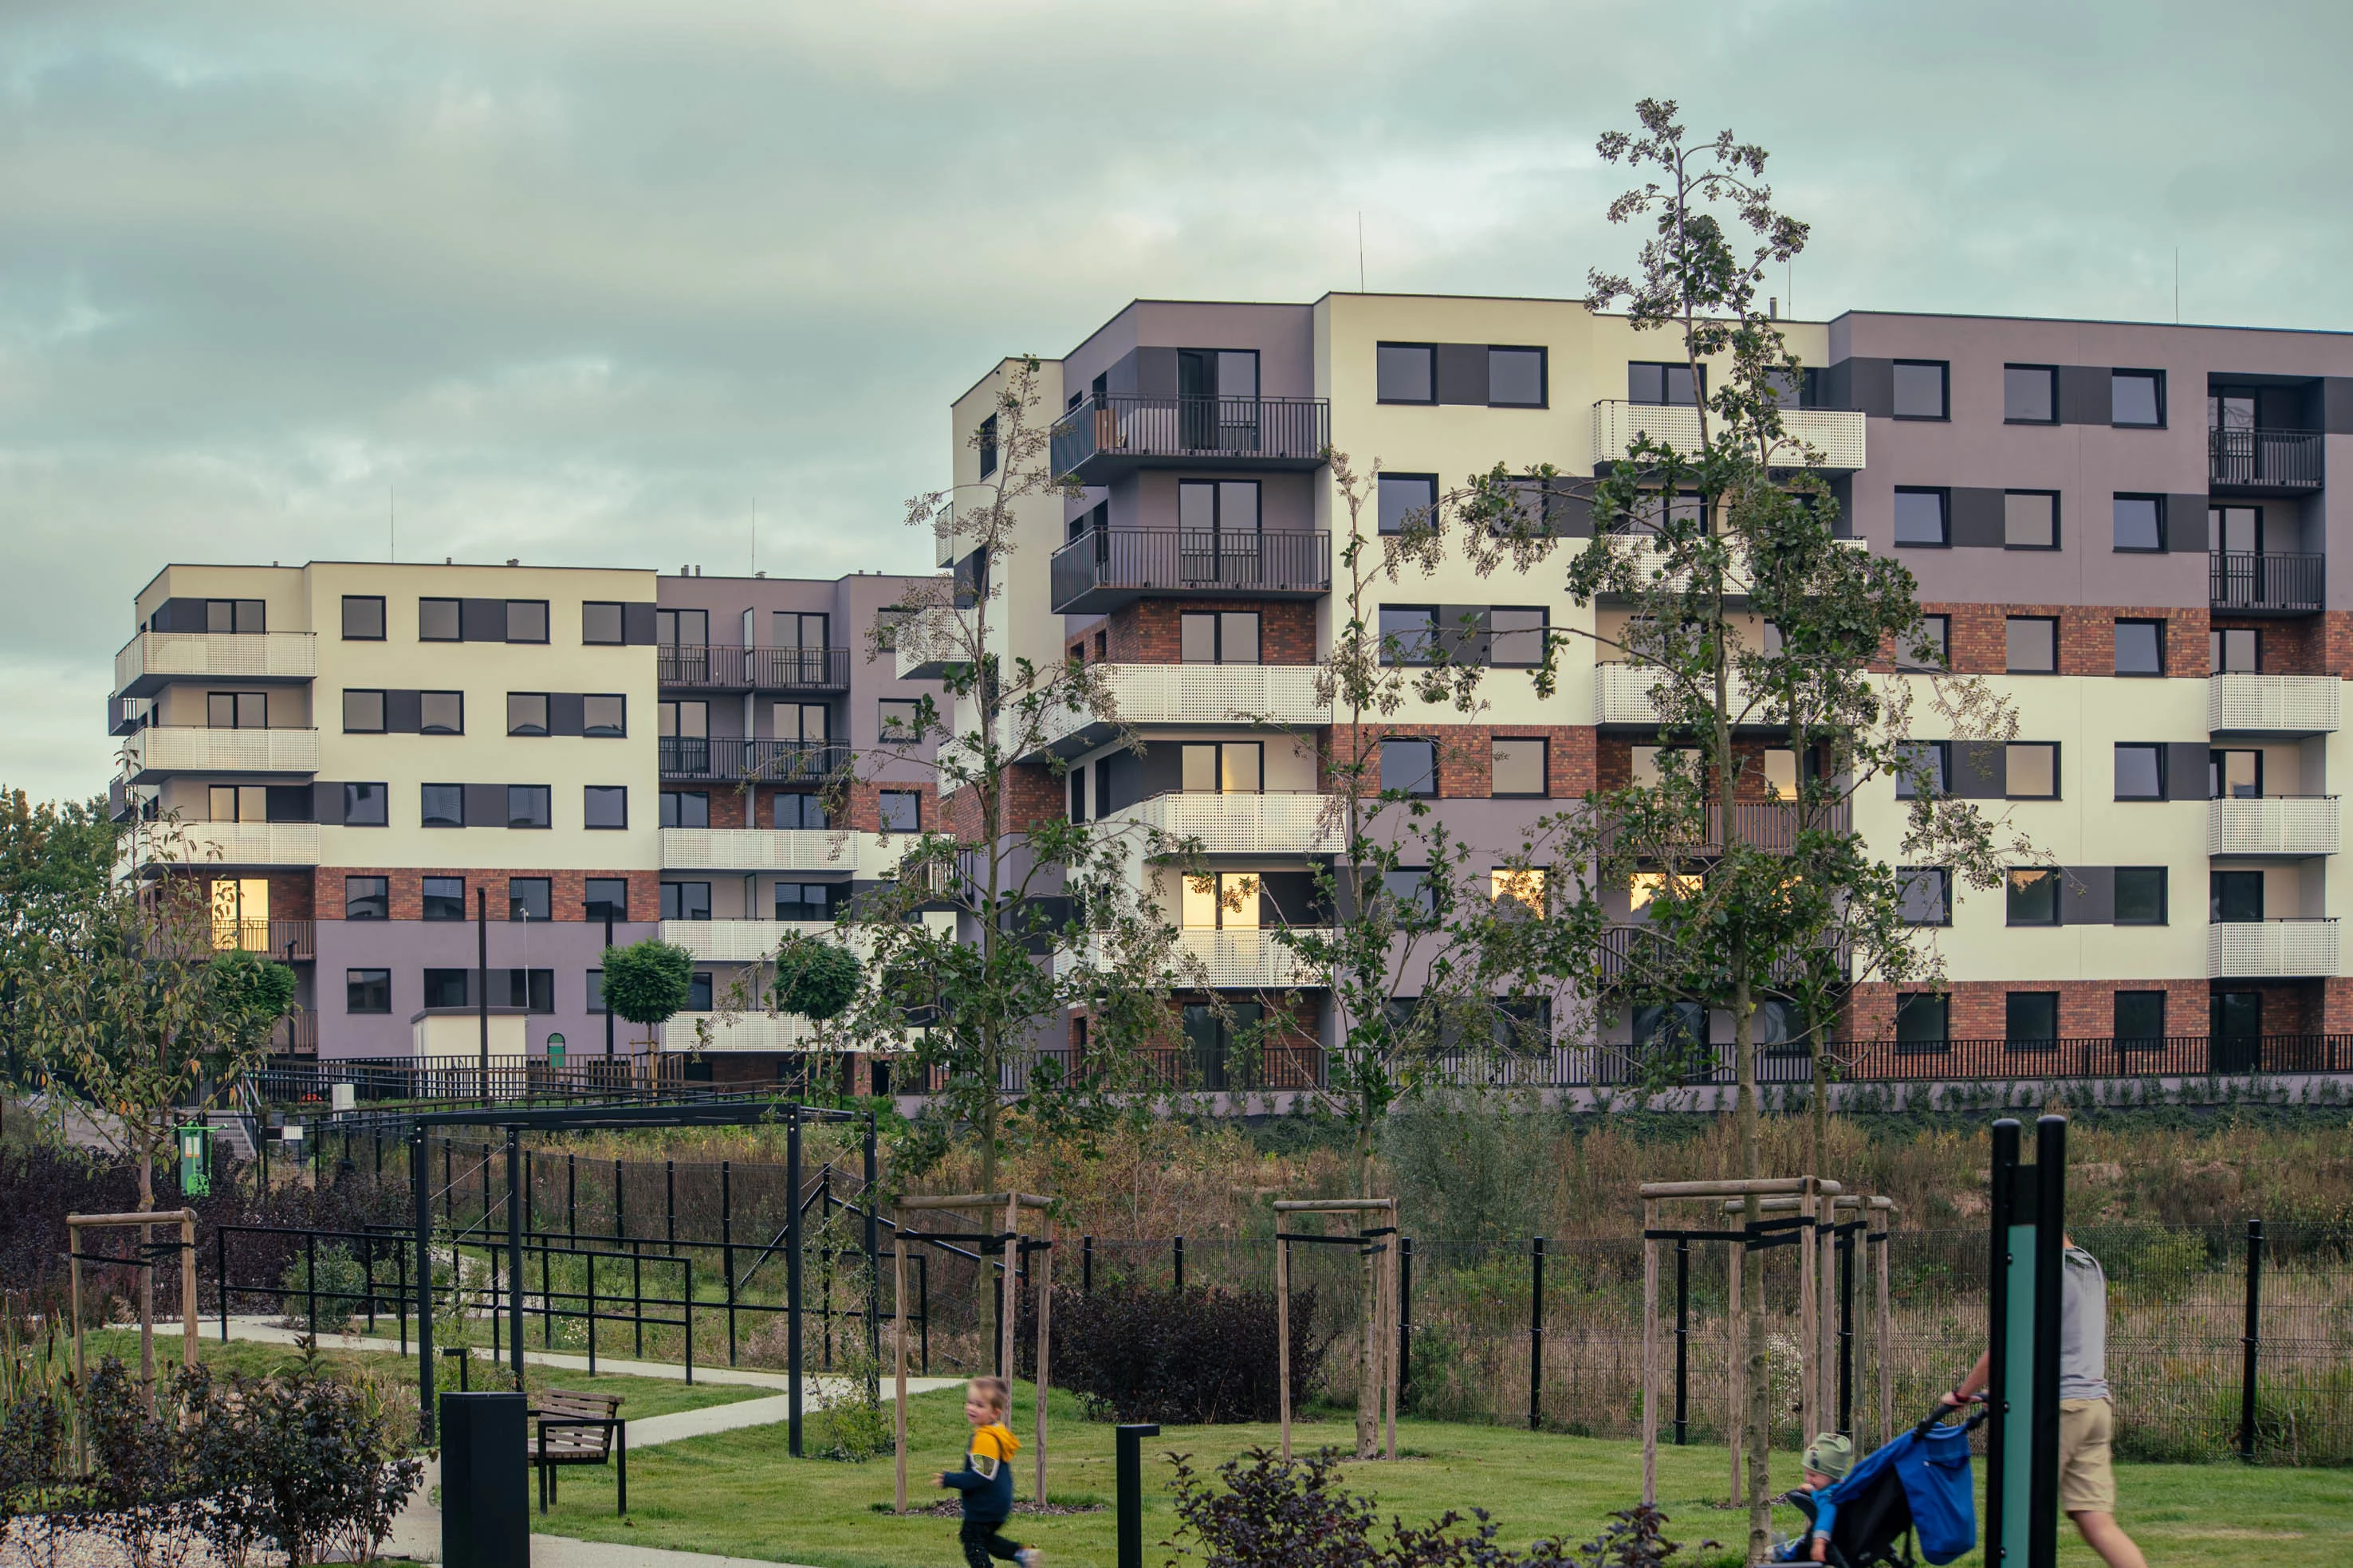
[[1360, 250]]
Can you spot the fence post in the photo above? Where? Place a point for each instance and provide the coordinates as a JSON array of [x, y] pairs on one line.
[[1535, 1331], [923, 1305], [727, 1249], [792, 1277], [1086, 1266], [1682, 1336], [1179, 1253], [670, 1206], [221, 1275], [2252, 1340], [311, 1276], [1405, 1319], [873, 1239], [571, 1200]]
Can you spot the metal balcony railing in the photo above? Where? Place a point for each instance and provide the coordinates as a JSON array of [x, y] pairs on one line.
[[2265, 459], [1107, 435], [1106, 568], [295, 1035], [1236, 823], [159, 751], [2262, 950], [2272, 824], [2272, 704], [2239, 580], [734, 758], [285, 939], [1767, 824], [152, 660], [1836, 434], [773, 668]]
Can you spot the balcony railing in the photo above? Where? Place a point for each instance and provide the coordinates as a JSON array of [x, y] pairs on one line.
[[153, 660], [161, 750], [1622, 694], [2265, 459], [286, 939], [1281, 694], [2273, 825], [1836, 434], [1242, 824], [738, 941], [225, 844], [2272, 704], [1109, 434], [734, 758], [1107, 567], [295, 1035], [768, 669], [744, 1032], [2264, 949], [1767, 824], [2239, 580], [769, 849], [926, 642], [1253, 959]]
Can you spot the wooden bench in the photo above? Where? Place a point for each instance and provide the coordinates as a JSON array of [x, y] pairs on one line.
[[571, 1428]]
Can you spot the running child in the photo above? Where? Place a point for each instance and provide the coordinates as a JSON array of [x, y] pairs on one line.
[[987, 1478]]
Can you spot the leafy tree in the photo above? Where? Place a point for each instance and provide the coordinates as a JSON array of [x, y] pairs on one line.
[[250, 993], [816, 979], [54, 857], [649, 982]]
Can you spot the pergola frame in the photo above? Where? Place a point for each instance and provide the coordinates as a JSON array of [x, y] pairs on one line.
[[1381, 1356], [1867, 1216], [1012, 1245], [146, 1259]]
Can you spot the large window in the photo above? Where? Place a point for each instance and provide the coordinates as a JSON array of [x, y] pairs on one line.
[[605, 716], [2140, 896], [440, 712], [2140, 772], [2234, 897], [794, 810], [602, 624], [526, 713], [1663, 383], [367, 898], [1920, 389], [686, 900], [2138, 523], [2139, 1020], [2033, 896], [2136, 398], [1406, 373], [2141, 647], [442, 805], [2233, 650], [1217, 636], [363, 617], [985, 440], [2031, 770], [445, 897], [1410, 766], [898, 718], [363, 712], [2029, 519], [901, 811], [806, 901], [1920, 1022], [2030, 1019], [1222, 767], [1406, 498], [1922, 517], [1927, 896], [1928, 650], [1516, 894], [1515, 638], [2032, 644], [440, 620], [1227, 900], [605, 806], [533, 990], [1517, 765], [446, 987], [685, 808], [367, 989], [1223, 507], [2234, 774], [1516, 377], [605, 897], [237, 710], [1409, 633], [2029, 394], [530, 898], [527, 806]]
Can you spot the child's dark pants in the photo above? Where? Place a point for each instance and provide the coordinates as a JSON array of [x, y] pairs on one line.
[[980, 1543]]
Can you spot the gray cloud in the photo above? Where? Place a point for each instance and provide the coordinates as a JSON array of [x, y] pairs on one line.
[[590, 283]]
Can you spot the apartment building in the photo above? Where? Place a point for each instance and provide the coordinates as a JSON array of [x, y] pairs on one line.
[[2123, 527], [399, 777]]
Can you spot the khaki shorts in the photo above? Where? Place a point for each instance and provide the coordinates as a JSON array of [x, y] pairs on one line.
[[2087, 1477]]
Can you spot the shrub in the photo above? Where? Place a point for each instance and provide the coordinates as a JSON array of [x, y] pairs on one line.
[[1206, 1356], [816, 979], [1472, 1167]]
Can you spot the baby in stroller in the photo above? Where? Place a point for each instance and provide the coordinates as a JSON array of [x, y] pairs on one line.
[[1859, 1515], [1828, 1459]]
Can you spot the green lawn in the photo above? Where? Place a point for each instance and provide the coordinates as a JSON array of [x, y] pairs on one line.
[[738, 1493], [641, 1396]]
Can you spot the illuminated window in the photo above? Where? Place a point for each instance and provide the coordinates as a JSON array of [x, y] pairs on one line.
[[1517, 893], [1649, 885], [1223, 900]]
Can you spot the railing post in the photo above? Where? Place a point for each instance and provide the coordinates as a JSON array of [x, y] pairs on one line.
[[2251, 1341], [727, 1250], [1682, 1336], [1179, 1245], [1405, 1319], [1536, 1333], [1086, 1266]]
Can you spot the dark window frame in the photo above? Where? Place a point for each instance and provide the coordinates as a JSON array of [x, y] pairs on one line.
[[670, 802], [1918, 1003], [1380, 517], [424, 729], [1542, 630], [2057, 536], [2157, 751], [1380, 763], [2164, 896], [1943, 624], [518, 891], [2009, 621], [589, 793], [2136, 1040], [620, 623], [1943, 369], [547, 804], [546, 715], [1943, 752], [605, 731], [1428, 349], [425, 815], [546, 623], [1944, 882], [1423, 653], [673, 904], [2050, 384], [2120, 372], [457, 618], [1543, 767], [2157, 523], [359, 982], [913, 797], [1666, 368], [2056, 790], [2039, 876], [381, 703], [355, 813], [590, 902], [983, 442], [2011, 1037], [380, 897], [383, 624], [1544, 373], [2158, 625], [882, 716], [1944, 498], [426, 892]]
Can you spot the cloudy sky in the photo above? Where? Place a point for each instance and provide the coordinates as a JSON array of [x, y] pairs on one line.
[[595, 281]]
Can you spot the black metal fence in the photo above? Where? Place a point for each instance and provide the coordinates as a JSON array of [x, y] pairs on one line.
[[1292, 429], [1143, 559], [726, 665], [2241, 581], [2279, 459]]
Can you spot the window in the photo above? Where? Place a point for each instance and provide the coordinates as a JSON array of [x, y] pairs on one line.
[[1644, 888], [686, 900], [805, 901], [2029, 519], [1780, 774], [2033, 894], [1920, 1023], [1927, 897], [442, 805], [799, 811], [235, 803], [2029, 394], [1410, 889], [2138, 523], [901, 717], [363, 712], [533, 990], [527, 806], [2140, 896], [2140, 772], [605, 806], [440, 712], [1647, 765], [595, 991], [2234, 896], [2136, 398], [1227, 767], [685, 808], [1515, 638], [1221, 517], [2030, 1019], [1226, 636], [1409, 633], [1405, 372], [1928, 648], [1515, 378], [1517, 893], [2234, 776], [440, 620], [605, 716], [698, 994], [602, 624], [2233, 650], [526, 620], [1517, 766], [901, 811], [1921, 518], [1800, 391], [1225, 900], [367, 898], [1410, 766], [446, 987], [2235, 530], [526, 713], [238, 616], [2141, 647], [1406, 498], [530, 898], [605, 897], [237, 710], [1674, 1026], [367, 989], [2034, 644], [445, 897], [805, 723], [2031, 770], [683, 628], [365, 806], [2139, 1020], [984, 439], [1920, 385], [1667, 383], [363, 617]]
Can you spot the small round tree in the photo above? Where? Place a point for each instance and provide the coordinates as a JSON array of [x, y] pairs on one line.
[[816, 979], [249, 995], [648, 982]]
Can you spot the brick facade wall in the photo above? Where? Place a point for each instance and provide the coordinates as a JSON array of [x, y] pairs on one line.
[[1977, 636], [1614, 764], [1978, 1009], [568, 897], [1148, 631], [1032, 795], [1466, 756]]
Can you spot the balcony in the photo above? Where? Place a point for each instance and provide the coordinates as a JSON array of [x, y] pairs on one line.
[[224, 845], [929, 641], [2270, 462], [1106, 568], [1767, 824], [153, 660], [1104, 437], [735, 759], [160, 752], [1239, 823], [768, 849], [2272, 704], [295, 1035], [1622, 695], [2271, 950], [1247, 960], [2265, 585], [746, 1031], [1836, 434], [284, 938], [2275, 825], [717, 666], [738, 941], [1144, 694]]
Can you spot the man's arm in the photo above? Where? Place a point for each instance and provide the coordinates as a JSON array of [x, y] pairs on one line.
[[1973, 1384]]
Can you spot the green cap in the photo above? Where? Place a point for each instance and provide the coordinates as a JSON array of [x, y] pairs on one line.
[[1831, 1455]]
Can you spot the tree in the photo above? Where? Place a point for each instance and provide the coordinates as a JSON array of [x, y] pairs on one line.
[[816, 979], [54, 857], [648, 983], [250, 993]]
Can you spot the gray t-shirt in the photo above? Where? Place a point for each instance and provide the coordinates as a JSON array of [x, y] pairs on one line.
[[2082, 1328]]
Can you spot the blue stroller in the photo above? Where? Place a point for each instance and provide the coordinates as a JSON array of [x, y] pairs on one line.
[[1918, 1485]]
